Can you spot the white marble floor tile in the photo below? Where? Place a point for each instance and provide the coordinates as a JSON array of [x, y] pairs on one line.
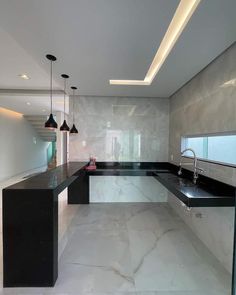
[[99, 248], [101, 216], [23, 291], [165, 259], [101, 257], [81, 278], [150, 216]]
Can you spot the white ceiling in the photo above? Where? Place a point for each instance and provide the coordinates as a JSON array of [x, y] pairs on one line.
[[33, 102], [98, 40], [14, 61]]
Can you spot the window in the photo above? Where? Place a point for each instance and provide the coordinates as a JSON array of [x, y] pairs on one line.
[[217, 148]]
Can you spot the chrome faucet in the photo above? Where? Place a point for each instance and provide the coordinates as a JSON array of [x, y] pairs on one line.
[[195, 168]]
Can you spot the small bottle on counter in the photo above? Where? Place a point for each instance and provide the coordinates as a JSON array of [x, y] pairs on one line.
[[92, 163]]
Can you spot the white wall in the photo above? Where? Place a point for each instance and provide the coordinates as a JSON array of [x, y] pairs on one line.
[[21, 149]]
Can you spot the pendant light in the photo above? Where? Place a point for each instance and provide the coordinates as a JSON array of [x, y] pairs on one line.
[[64, 127], [73, 129], [51, 123]]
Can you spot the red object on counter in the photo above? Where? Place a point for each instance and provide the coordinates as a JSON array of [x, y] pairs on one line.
[[91, 167], [92, 164]]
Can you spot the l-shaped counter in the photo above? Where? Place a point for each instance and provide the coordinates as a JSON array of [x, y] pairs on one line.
[[30, 211]]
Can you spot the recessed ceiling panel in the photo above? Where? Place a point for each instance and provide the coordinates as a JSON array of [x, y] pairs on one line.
[[99, 40]]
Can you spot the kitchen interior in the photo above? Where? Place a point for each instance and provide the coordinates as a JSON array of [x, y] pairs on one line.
[[138, 197]]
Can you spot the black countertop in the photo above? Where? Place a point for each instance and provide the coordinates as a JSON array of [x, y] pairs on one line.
[[51, 179], [130, 168], [153, 166], [205, 193]]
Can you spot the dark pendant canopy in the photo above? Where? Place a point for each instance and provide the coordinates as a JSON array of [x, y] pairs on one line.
[[73, 129], [51, 123], [64, 127]]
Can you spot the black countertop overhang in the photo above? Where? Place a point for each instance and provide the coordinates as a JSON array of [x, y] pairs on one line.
[[205, 193]]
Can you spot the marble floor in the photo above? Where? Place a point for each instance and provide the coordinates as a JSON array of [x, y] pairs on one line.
[[133, 249]]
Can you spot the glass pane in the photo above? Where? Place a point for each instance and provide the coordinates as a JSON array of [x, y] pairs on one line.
[[222, 148], [216, 148]]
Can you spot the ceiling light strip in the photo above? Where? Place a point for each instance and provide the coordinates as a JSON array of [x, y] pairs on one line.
[[181, 17], [179, 21], [129, 82]]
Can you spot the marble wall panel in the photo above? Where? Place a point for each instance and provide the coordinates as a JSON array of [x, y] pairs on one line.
[[206, 105], [120, 129], [131, 189]]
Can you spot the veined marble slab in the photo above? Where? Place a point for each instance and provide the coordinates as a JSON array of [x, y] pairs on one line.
[[126, 189], [120, 129]]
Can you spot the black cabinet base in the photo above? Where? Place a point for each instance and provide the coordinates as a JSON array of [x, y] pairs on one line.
[[78, 190], [30, 231]]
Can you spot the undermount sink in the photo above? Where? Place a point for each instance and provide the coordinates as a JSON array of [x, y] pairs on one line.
[[185, 182]]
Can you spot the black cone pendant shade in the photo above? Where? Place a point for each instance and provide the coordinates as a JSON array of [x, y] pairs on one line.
[[51, 123], [64, 127], [73, 129]]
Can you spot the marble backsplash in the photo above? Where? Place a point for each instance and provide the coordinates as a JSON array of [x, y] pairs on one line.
[[120, 129]]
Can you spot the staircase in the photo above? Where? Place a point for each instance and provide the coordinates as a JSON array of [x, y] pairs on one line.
[[38, 123], [53, 163]]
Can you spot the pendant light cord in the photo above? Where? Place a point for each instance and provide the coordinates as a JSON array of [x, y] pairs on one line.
[[51, 86], [64, 98], [73, 106]]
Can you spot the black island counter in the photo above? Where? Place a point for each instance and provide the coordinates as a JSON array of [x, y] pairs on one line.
[[30, 211]]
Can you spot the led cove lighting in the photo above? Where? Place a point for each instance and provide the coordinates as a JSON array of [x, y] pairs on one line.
[[129, 82], [10, 113], [179, 21]]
